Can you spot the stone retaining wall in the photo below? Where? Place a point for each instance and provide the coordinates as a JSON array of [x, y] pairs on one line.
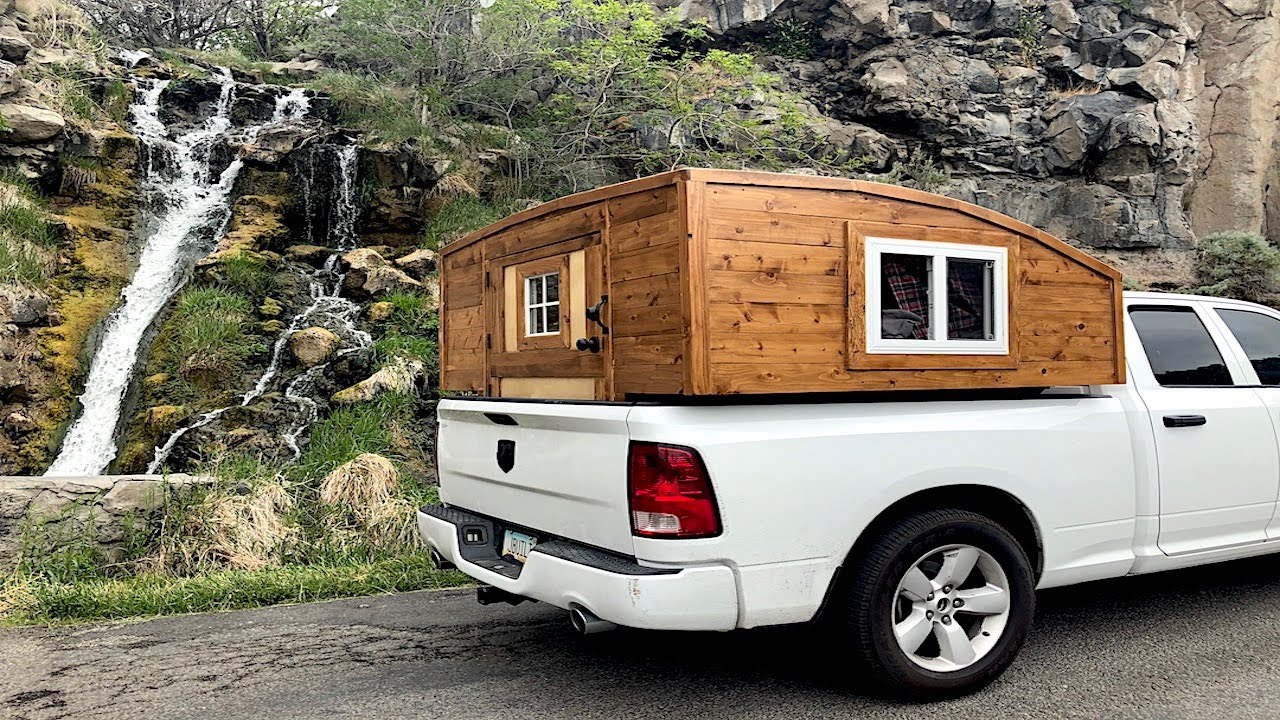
[[60, 511]]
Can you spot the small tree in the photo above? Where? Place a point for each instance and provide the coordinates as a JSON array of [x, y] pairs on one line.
[[1239, 265], [269, 27], [163, 23]]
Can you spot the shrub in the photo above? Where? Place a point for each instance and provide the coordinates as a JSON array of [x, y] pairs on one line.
[[1238, 265], [919, 169], [458, 217], [792, 38]]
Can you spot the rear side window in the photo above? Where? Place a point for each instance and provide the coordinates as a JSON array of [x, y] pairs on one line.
[[1179, 347], [1259, 335]]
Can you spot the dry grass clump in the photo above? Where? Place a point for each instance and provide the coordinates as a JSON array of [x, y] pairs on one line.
[[247, 530], [361, 502]]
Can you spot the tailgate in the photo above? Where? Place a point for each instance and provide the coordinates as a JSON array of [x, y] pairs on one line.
[[567, 474]]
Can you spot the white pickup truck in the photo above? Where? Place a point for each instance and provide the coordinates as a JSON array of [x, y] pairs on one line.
[[918, 525]]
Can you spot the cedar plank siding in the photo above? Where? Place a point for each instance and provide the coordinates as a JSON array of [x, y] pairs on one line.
[[724, 282]]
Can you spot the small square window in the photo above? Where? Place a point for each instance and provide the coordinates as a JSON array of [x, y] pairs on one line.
[[542, 305], [931, 297]]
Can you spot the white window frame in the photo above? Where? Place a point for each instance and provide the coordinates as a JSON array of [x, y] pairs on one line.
[[938, 254], [542, 307]]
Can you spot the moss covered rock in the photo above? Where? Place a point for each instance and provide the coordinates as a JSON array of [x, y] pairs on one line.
[[313, 346]]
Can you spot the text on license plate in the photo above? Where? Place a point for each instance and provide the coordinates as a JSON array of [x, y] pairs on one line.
[[516, 545]]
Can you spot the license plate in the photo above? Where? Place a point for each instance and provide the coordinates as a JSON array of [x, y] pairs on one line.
[[516, 546]]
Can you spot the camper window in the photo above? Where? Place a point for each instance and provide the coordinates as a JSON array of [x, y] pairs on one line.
[[929, 297], [542, 305]]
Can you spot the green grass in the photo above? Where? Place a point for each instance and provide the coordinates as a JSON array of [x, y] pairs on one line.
[[115, 102], [49, 601], [25, 235], [351, 431], [385, 112], [29, 224], [26, 186], [458, 217], [247, 274], [210, 335], [410, 331], [21, 264]]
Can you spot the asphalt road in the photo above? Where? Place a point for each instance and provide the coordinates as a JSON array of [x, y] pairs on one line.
[[1200, 643]]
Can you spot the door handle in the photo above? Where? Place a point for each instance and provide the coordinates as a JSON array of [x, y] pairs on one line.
[[591, 344], [594, 314], [1173, 421]]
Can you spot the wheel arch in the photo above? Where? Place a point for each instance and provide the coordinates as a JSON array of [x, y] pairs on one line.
[[999, 505]]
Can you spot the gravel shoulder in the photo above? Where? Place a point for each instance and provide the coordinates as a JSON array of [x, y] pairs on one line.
[[1190, 644]]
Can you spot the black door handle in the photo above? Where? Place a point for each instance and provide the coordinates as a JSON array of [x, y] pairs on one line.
[[1184, 420], [585, 344]]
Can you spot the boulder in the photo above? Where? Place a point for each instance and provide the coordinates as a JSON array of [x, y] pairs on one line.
[[309, 254], [402, 376], [14, 46], [22, 306], [275, 142], [18, 423], [133, 495], [10, 78], [368, 274], [298, 68], [314, 345], [380, 311], [270, 308], [165, 418], [418, 262], [29, 124]]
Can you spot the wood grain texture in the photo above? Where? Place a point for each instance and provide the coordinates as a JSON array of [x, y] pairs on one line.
[[727, 281], [776, 318], [768, 287], [731, 378], [646, 232], [646, 262], [693, 287], [648, 320], [646, 292], [763, 226], [747, 256], [634, 206]]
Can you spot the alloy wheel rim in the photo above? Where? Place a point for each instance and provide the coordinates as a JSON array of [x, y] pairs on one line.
[[951, 607]]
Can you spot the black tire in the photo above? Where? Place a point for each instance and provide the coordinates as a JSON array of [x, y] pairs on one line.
[[863, 613]]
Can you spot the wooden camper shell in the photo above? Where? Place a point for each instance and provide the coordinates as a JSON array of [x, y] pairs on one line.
[[727, 282]]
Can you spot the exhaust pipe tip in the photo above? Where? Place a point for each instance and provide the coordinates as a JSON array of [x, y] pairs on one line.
[[440, 561], [586, 622]]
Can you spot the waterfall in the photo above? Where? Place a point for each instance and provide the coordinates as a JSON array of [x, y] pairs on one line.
[[187, 209], [327, 309], [187, 206]]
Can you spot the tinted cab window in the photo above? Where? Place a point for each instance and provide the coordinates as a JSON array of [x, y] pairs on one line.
[[1179, 347], [1259, 335]]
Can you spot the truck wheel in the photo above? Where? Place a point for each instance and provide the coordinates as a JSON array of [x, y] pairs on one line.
[[938, 605]]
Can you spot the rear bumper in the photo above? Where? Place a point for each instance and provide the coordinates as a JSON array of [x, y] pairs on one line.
[[565, 574]]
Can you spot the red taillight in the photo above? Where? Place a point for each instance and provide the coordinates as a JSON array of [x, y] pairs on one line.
[[670, 493]]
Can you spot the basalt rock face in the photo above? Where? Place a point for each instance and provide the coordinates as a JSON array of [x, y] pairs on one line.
[[1129, 128]]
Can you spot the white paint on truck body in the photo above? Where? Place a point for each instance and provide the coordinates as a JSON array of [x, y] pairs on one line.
[[798, 484]]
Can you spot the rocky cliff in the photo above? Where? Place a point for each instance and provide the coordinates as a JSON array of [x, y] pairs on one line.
[[1127, 126]]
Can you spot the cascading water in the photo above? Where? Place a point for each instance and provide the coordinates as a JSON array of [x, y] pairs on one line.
[[188, 209], [326, 310]]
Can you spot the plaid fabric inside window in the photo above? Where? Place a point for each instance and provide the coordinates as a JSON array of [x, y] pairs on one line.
[[910, 290], [965, 301]]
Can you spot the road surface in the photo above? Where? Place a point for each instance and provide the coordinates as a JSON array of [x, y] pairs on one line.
[[1201, 643]]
